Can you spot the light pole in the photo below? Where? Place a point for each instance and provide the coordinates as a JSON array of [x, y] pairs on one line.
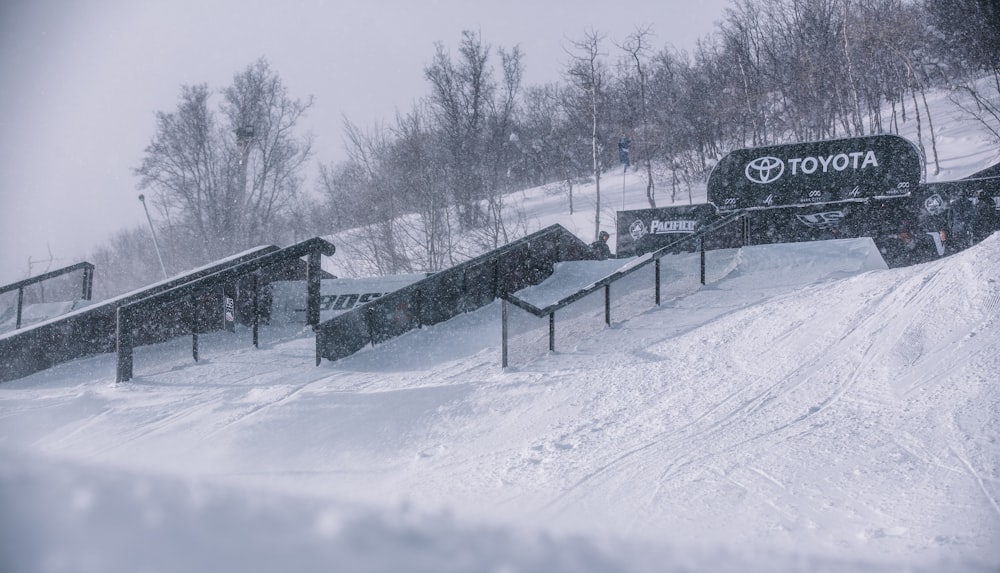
[[244, 138], [142, 199]]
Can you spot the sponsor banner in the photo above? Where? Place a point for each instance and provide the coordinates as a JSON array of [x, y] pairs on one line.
[[815, 173], [903, 230], [644, 230], [934, 220], [229, 313], [970, 208], [288, 298]]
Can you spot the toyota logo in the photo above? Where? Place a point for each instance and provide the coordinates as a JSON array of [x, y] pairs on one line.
[[765, 170]]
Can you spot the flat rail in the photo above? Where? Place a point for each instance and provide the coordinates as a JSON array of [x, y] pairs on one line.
[[606, 282]]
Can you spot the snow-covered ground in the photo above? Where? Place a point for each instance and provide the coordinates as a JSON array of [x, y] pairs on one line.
[[806, 410]]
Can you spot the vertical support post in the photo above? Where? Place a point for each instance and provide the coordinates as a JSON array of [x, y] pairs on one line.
[[607, 304], [503, 334], [255, 298], [495, 279], [20, 304], [123, 346], [657, 282], [552, 332], [313, 268], [370, 324], [195, 317], [702, 241], [88, 282], [418, 303]]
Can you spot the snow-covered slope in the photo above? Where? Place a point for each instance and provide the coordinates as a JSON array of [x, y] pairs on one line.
[[806, 410]]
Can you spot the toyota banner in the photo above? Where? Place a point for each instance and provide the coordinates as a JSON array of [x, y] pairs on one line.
[[859, 168]]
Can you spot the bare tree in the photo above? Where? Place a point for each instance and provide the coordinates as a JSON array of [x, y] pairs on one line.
[[459, 94], [368, 150], [637, 47], [269, 156], [588, 75], [224, 179], [474, 113], [966, 33]]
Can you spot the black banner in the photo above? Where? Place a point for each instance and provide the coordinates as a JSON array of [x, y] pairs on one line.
[[820, 172], [645, 230], [934, 220], [229, 313]]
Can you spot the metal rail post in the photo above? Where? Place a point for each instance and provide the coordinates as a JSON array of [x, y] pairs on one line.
[[20, 305], [254, 285], [607, 304], [313, 268], [657, 282], [88, 282], [702, 260], [195, 317], [123, 346], [503, 334], [552, 332]]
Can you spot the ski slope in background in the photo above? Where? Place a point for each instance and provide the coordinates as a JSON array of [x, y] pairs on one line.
[[963, 148], [806, 410]]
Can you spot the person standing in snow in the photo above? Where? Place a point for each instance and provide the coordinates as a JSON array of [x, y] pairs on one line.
[[600, 246]]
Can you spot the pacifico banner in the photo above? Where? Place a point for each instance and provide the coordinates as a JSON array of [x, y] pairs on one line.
[[854, 169], [645, 230]]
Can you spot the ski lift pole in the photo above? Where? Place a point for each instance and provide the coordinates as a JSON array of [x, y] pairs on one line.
[[152, 231]]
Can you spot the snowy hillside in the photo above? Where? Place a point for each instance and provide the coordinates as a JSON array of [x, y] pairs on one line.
[[806, 410], [963, 147]]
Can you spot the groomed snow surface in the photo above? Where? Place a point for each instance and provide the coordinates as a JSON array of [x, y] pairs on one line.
[[806, 410]]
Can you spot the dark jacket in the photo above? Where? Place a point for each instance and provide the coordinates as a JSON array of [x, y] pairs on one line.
[[601, 250]]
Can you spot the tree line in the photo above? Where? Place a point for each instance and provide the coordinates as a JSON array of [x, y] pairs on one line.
[[225, 170]]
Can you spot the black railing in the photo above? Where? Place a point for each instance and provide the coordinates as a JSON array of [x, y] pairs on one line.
[[445, 294], [606, 282], [187, 301], [87, 290], [90, 330]]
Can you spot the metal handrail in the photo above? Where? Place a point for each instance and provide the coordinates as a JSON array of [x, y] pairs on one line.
[[88, 284], [52, 274], [607, 281], [126, 317], [447, 293], [651, 257]]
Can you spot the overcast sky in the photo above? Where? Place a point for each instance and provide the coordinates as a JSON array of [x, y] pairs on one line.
[[82, 81]]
